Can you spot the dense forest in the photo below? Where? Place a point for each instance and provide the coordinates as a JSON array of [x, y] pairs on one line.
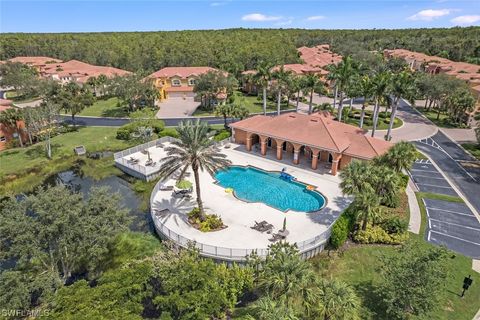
[[234, 50]]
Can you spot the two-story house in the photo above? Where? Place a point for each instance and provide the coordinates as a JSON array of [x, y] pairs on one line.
[[177, 82]]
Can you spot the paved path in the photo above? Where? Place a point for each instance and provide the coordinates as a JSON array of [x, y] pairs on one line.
[[415, 126], [415, 215], [177, 108]]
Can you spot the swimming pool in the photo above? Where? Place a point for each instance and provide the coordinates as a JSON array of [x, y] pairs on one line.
[[255, 185]]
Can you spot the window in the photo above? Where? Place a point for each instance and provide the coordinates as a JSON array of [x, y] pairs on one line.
[[191, 82], [2, 139], [176, 83]]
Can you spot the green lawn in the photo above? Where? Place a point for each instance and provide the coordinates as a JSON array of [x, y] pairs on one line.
[[15, 97], [473, 148], [252, 104], [21, 169], [105, 108], [443, 120]]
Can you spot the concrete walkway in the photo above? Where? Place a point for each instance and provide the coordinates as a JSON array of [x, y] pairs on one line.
[[415, 214]]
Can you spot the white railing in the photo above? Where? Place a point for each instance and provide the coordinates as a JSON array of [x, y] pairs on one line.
[[223, 253]]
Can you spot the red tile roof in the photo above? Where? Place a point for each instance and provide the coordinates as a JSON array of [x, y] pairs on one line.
[[35, 61], [81, 71], [181, 72], [316, 130]]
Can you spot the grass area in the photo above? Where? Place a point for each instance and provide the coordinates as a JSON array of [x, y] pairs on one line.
[[436, 196], [110, 107], [22, 169], [15, 97], [359, 264], [473, 148], [252, 103], [383, 120], [443, 120]]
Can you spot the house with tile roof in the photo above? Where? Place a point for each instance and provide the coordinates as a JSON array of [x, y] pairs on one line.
[[417, 61], [178, 82], [78, 71], [38, 63], [315, 60], [7, 133], [308, 138]]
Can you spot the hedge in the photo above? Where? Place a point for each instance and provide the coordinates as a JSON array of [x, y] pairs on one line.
[[125, 131], [169, 132]]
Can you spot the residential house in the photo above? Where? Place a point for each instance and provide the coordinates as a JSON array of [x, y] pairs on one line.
[[178, 82], [7, 133]]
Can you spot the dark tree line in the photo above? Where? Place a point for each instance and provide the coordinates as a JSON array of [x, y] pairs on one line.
[[233, 50]]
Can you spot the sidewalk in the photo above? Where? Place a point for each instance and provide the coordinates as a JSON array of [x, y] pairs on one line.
[[415, 214]]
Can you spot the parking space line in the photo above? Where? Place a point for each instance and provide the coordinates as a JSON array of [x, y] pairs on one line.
[[418, 176], [450, 236], [424, 170], [431, 185], [464, 214], [455, 224]]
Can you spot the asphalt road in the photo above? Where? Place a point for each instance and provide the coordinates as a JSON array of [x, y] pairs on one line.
[[117, 122], [443, 153]]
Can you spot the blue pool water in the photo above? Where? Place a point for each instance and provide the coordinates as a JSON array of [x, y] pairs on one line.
[[255, 185]]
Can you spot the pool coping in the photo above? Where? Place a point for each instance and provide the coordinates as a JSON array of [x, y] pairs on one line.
[[273, 171]]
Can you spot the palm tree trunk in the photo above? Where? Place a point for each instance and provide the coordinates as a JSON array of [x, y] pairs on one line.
[[310, 103], [425, 106], [73, 120], [298, 100], [335, 92], [340, 108], [438, 111], [264, 100], [19, 133], [279, 98], [392, 118], [364, 222], [362, 116], [225, 121], [197, 190], [350, 106], [49, 147], [375, 117]]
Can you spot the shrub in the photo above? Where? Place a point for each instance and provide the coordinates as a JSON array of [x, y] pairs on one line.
[[212, 222], [169, 132], [394, 225], [184, 184], [125, 131], [375, 234], [222, 135], [403, 180], [340, 231]]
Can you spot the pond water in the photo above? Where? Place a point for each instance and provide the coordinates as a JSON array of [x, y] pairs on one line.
[[75, 181]]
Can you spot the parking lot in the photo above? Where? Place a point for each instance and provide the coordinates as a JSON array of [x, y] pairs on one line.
[[454, 225], [428, 179]]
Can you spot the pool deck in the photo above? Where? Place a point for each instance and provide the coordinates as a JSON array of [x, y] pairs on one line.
[[240, 216]]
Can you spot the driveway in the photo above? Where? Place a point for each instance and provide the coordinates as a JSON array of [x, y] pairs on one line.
[[177, 107]]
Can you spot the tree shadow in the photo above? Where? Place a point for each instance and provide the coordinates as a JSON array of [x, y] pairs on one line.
[[118, 112], [372, 299]]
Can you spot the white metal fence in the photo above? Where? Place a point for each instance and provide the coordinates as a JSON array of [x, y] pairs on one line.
[[307, 248]]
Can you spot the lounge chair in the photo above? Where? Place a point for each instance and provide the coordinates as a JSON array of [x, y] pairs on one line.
[[280, 235], [165, 188], [149, 162], [259, 224], [159, 145], [144, 151]]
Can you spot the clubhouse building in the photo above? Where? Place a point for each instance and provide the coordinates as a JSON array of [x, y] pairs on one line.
[[314, 139]]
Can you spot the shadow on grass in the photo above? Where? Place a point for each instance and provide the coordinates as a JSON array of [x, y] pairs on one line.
[[372, 299], [118, 112]]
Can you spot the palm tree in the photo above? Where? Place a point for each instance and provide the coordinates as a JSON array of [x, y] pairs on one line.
[[282, 79], [267, 308], [354, 177], [367, 206], [93, 82], [101, 82], [365, 88], [194, 150], [10, 118], [311, 83], [380, 84], [341, 75], [338, 301], [400, 157], [297, 84], [401, 86], [262, 78]]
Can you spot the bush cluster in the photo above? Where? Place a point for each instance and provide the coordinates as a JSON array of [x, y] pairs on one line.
[[183, 184], [212, 222], [125, 131], [340, 231], [168, 132], [222, 135], [376, 234]]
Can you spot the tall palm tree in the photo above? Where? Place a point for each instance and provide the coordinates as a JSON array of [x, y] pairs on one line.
[[311, 83], [354, 177], [297, 85], [101, 82], [402, 85], [400, 157], [194, 150], [267, 308], [282, 78], [380, 83], [10, 118], [338, 301], [367, 206], [365, 88], [262, 78], [341, 76]]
